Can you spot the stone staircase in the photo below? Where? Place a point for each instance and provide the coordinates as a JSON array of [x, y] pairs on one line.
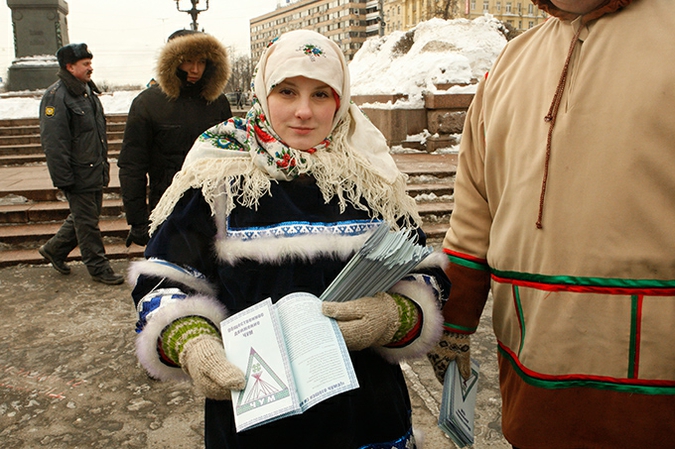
[[32, 210]]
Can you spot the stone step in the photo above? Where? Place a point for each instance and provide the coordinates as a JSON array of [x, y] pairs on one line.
[[32, 210], [35, 234], [438, 209], [419, 164], [39, 158], [435, 231], [26, 139], [22, 127], [114, 248], [19, 130], [47, 211], [17, 122], [439, 189], [33, 183], [36, 148]]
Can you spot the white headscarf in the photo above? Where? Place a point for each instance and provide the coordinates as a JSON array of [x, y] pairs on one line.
[[240, 157]]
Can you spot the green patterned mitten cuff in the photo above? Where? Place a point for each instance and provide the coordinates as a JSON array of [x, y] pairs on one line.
[[175, 335], [409, 314]]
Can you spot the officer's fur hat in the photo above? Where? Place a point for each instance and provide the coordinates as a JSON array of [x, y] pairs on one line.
[[71, 53]]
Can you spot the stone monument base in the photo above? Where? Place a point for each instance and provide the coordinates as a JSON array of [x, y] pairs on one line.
[[25, 75]]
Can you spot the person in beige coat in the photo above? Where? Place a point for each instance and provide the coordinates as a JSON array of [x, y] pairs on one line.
[[565, 210]]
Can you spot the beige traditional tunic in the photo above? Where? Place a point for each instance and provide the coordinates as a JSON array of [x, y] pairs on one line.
[[584, 306]]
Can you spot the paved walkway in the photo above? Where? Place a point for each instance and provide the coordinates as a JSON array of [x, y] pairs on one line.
[[69, 377]]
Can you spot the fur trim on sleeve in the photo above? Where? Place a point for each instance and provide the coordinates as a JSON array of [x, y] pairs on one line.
[[425, 295], [146, 342], [436, 259], [163, 269]]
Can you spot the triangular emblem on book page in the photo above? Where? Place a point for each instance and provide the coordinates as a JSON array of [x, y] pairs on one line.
[[263, 386], [467, 385]]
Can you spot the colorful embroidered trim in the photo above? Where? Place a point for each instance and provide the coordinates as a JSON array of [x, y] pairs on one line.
[[641, 386], [296, 228], [635, 335], [153, 301], [466, 260], [410, 315], [175, 335], [580, 284], [521, 316], [458, 329]]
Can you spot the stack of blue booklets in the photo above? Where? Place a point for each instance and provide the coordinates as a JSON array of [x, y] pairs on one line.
[[458, 404], [384, 259]]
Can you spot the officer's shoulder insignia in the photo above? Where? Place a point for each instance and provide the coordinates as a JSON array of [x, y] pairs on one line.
[[49, 111]]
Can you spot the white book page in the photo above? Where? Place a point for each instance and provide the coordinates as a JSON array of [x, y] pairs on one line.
[[318, 355], [254, 343]]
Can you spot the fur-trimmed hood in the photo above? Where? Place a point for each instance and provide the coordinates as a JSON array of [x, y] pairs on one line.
[[607, 7], [175, 51]]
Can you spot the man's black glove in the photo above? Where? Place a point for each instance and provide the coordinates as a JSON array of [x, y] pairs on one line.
[[139, 235]]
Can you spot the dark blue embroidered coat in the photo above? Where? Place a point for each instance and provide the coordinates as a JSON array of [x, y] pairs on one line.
[[293, 241]]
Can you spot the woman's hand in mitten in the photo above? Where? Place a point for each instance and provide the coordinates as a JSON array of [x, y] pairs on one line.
[[203, 359], [365, 322], [452, 346]]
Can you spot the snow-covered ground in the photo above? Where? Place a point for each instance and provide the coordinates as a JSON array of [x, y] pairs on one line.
[[434, 52]]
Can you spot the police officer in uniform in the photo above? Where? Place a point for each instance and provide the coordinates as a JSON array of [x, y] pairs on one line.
[[73, 136]]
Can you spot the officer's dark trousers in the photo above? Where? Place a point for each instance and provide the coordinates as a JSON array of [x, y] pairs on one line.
[[81, 228]]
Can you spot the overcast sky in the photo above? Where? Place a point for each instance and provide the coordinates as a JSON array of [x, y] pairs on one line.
[[126, 35]]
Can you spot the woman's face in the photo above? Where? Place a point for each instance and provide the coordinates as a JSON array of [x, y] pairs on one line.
[[301, 111]]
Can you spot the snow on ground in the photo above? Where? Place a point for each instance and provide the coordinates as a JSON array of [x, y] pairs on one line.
[[27, 104], [435, 52]]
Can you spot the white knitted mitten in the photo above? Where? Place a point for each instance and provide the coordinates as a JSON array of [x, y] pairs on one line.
[[365, 322], [203, 359]]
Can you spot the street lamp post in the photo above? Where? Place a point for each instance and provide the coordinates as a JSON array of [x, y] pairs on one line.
[[380, 6], [194, 12]]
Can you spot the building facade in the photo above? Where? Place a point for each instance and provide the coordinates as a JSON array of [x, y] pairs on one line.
[[343, 21], [350, 22], [520, 14], [406, 14]]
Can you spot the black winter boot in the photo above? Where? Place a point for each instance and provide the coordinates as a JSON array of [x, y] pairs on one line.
[[58, 265], [109, 277]]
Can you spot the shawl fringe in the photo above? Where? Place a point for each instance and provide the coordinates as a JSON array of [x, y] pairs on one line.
[[345, 175]]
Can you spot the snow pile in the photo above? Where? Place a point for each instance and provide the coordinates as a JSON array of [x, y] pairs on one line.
[[47, 60], [435, 52], [27, 104], [118, 102]]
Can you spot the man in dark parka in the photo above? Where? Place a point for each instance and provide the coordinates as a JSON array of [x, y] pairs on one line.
[[73, 137], [165, 120]]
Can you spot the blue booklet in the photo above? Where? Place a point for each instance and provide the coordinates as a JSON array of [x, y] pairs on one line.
[[384, 259], [458, 404]]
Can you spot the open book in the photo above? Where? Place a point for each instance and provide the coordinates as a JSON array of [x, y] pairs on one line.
[[458, 404], [293, 357]]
